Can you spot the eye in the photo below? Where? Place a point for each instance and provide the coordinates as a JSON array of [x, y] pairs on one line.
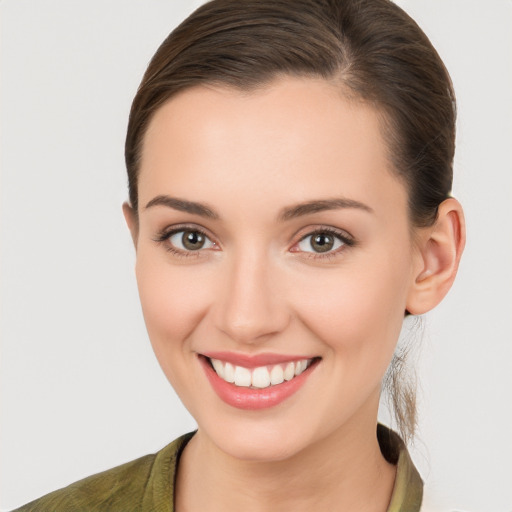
[[190, 240], [185, 241], [324, 241]]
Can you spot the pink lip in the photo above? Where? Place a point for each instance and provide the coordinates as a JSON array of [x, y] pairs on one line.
[[254, 361], [254, 399]]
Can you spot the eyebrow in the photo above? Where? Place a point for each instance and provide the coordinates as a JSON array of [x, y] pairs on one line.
[[320, 205], [287, 213], [184, 206]]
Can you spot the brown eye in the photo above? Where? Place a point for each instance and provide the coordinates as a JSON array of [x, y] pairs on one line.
[[323, 242], [190, 240]]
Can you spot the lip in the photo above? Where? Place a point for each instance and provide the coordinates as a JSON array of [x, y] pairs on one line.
[[249, 398]]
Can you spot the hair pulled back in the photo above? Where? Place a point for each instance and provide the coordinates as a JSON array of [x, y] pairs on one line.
[[372, 49]]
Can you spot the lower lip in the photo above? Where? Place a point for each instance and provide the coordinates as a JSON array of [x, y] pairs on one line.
[[254, 399]]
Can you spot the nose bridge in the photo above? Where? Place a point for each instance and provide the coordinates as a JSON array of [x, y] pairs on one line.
[[251, 306]]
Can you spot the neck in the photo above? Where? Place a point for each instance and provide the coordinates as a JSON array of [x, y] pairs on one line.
[[344, 471]]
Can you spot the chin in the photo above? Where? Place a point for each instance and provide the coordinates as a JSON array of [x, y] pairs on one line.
[[260, 440], [259, 448]]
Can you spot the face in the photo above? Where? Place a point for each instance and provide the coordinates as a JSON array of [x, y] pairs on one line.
[[273, 243]]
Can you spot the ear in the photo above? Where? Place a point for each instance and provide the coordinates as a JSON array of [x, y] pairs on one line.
[[439, 250], [132, 221]]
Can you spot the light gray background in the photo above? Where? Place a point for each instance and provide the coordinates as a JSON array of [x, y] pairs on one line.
[[80, 388]]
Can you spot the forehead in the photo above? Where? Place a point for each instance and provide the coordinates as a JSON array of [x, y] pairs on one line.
[[290, 140]]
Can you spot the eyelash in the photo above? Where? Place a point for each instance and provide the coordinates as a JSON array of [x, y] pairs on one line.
[[346, 240]]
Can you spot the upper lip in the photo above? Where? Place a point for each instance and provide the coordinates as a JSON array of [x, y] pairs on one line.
[[256, 360]]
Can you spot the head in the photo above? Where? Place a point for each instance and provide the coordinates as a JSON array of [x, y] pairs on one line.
[[250, 107]]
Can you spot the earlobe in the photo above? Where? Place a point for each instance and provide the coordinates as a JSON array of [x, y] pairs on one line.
[[132, 221], [440, 251]]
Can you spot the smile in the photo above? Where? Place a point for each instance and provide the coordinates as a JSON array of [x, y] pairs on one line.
[[260, 377], [254, 383]]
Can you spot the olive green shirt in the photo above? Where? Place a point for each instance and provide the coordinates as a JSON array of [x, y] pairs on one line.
[[147, 484]]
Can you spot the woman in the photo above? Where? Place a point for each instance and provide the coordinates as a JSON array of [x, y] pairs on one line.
[[290, 168]]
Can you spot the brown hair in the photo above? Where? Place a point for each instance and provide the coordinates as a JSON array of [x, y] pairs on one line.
[[372, 49]]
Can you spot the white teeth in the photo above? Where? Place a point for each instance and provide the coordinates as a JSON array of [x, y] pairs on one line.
[[300, 366], [276, 375], [242, 376], [289, 371], [260, 377], [229, 372], [219, 367]]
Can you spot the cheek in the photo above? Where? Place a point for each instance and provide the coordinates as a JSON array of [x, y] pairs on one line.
[[358, 310], [172, 299]]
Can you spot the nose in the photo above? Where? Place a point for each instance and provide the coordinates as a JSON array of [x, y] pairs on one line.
[[251, 308]]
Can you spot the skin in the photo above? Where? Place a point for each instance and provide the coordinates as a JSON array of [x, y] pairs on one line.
[[258, 286]]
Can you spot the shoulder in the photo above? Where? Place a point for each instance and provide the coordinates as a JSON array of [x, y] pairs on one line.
[[123, 488], [112, 488]]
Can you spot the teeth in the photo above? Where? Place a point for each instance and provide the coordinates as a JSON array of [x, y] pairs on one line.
[[219, 367], [229, 372], [260, 377], [276, 375], [242, 376], [300, 367], [289, 371]]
